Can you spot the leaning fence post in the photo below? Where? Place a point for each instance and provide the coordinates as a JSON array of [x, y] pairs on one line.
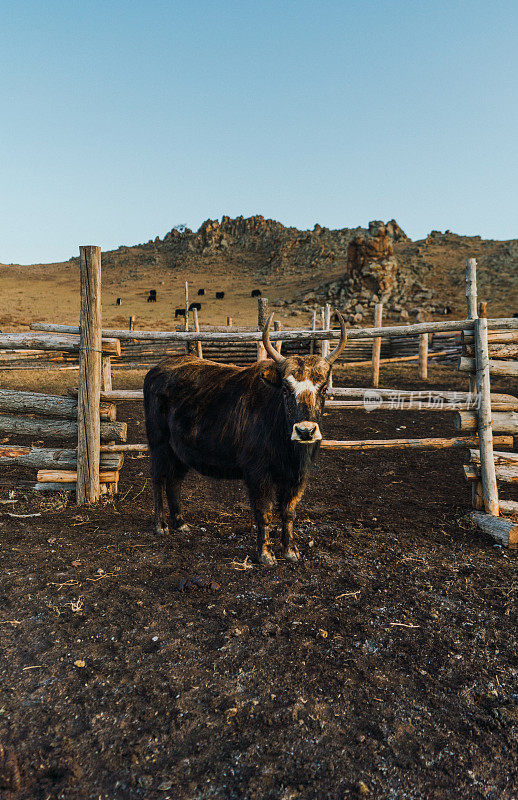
[[262, 316], [376, 346], [485, 431], [199, 350], [89, 393]]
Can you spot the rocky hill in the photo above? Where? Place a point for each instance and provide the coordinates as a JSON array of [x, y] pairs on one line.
[[352, 267]]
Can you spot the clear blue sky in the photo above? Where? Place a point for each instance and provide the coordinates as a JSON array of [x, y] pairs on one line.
[[122, 119]]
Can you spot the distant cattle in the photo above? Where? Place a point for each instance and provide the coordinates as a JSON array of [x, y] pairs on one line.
[[256, 293], [118, 301], [220, 295], [201, 292], [152, 296], [197, 306], [444, 310], [179, 312]]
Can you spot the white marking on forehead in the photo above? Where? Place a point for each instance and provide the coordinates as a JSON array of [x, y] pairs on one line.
[[301, 386]]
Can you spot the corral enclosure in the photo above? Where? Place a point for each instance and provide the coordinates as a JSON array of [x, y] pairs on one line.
[[383, 665]]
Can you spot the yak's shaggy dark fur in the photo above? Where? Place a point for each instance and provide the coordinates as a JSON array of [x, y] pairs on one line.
[[233, 422]]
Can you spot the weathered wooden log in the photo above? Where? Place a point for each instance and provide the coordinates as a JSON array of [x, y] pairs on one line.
[[505, 368], [89, 394], [69, 476], [411, 444], [508, 507], [471, 288], [61, 342], [49, 405], [493, 337], [422, 368], [502, 421], [498, 350], [57, 428], [262, 316], [116, 395], [414, 394], [395, 359], [503, 530], [199, 351], [376, 346], [143, 448], [48, 458], [498, 457], [505, 473], [62, 487], [396, 331], [403, 404], [106, 368]]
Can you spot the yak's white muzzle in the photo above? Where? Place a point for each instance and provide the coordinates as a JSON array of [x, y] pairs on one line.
[[306, 432]]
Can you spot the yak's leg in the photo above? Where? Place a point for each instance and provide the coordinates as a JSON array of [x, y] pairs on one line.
[[159, 470], [261, 500], [173, 485], [289, 497]]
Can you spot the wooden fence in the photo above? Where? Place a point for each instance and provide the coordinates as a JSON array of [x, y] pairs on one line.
[[90, 416]]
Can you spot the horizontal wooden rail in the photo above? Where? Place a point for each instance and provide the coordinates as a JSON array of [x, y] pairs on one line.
[[58, 429], [413, 394], [41, 341], [505, 473], [289, 335], [438, 404], [360, 444], [502, 421], [70, 476], [49, 457], [49, 405], [505, 368]]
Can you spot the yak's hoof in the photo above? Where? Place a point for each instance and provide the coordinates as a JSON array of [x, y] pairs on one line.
[[161, 530], [292, 553], [266, 558], [180, 525]]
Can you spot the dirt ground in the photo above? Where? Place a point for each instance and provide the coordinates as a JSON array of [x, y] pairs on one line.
[[384, 665]]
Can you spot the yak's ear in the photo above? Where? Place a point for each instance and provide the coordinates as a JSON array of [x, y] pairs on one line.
[[271, 374]]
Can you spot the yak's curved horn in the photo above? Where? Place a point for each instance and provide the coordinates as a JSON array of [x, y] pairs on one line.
[[331, 358], [272, 352]]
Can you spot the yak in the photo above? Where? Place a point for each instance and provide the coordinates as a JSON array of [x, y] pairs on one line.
[[259, 424]]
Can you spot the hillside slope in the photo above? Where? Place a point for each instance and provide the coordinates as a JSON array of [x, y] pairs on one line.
[[296, 269]]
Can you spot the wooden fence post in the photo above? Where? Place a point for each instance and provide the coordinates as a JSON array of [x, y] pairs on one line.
[[131, 323], [262, 316], [423, 356], [376, 346], [313, 328], [278, 327], [107, 373], [199, 350], [485, 431], [186, 326], [471, 301], [89, 392]]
